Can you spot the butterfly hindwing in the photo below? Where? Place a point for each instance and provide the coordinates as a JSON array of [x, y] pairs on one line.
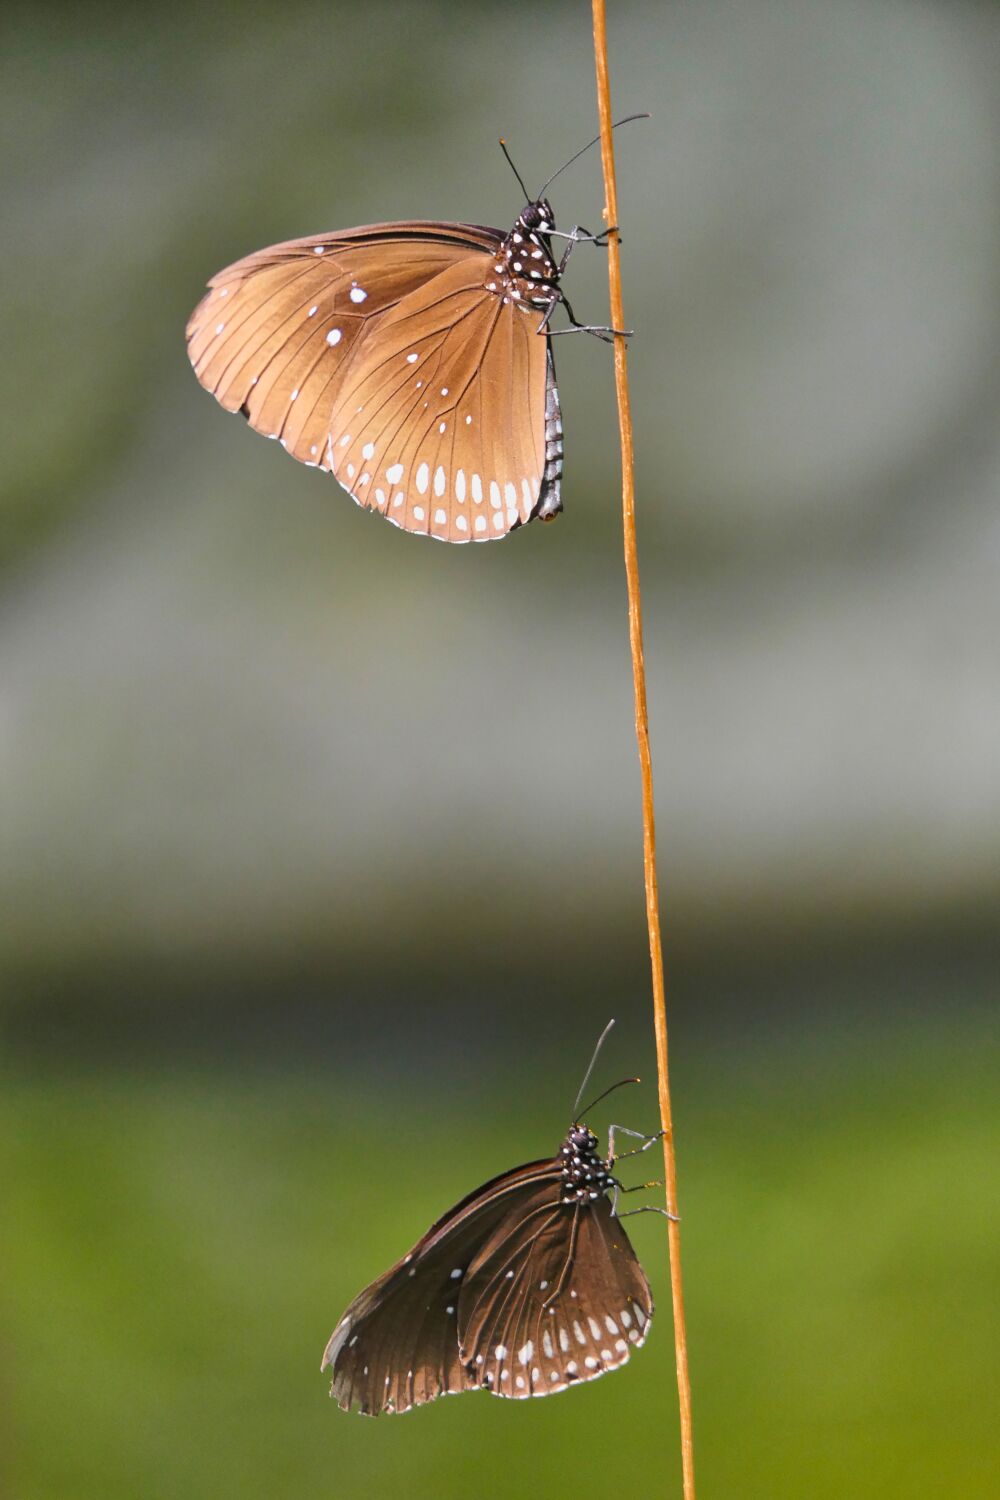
[[439, 422], [556, 1296]]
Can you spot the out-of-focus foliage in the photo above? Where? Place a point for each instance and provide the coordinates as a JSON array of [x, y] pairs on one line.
[[182, 1245]]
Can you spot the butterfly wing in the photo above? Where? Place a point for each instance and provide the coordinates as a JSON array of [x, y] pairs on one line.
[[555, 1296], [382, 356], [268, 320], [440, 419], [397, 1344]]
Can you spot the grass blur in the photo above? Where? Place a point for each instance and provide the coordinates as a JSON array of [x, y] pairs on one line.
[[182, 1241]]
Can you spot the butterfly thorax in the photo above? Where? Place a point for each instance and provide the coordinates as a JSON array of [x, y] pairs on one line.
[[586, 1174], [524, 271]]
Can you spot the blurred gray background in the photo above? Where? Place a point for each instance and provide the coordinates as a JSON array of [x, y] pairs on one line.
[[281, 783]]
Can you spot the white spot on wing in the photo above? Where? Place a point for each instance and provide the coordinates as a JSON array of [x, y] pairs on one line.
[[357, 295], [418, 513], [394, 473], [525, 1352], [439, 517], [411, 359], [460, 486], [440, 480], [368, 451], [423, 477], [334, 336]]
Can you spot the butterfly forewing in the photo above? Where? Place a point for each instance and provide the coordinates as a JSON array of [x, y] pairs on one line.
[[397, 1344], [272, 318], [556, 1296]]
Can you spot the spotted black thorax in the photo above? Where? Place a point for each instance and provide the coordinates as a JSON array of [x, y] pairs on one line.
[[525, 271], [586, 1174]]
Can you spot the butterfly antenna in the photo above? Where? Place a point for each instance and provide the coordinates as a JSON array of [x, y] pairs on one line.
[[620, 1084], [590, 1066], [510, 159], [541, 190]]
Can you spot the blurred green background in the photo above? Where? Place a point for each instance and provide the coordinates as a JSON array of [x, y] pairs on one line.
[[320, 842]]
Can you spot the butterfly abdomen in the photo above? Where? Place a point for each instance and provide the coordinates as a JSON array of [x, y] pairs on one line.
[[550, 495]]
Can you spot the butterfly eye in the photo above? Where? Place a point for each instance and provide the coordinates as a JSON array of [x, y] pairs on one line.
[[532, 216]]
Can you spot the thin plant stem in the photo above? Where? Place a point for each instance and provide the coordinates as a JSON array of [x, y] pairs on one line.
[[642, 737]]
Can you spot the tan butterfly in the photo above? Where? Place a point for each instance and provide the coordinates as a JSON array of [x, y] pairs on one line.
[[413, 361]]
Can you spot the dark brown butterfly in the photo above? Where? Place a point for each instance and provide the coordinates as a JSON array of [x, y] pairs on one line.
[[413, 361], [527, 1286]]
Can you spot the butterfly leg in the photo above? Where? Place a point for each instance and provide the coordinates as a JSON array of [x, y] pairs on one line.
[[647, 1141], [651, 1208], [638, 1189], [578, 236], [598, 330]]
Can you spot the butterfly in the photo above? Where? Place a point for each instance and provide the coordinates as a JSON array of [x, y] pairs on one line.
[[412, 361], [527, 1286]]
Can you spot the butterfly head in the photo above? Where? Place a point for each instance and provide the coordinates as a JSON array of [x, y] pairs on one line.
[[537, 216]]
